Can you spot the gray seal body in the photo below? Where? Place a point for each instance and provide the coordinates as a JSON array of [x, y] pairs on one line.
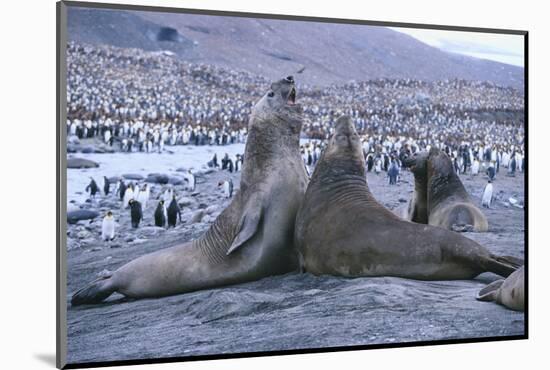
[[439, 197], [509, 292], [253, 237], [342, 230]]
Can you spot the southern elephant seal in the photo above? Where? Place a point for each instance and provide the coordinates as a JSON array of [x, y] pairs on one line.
[[449, 204], [342, 230], [253, 237], [439, 197], [509, 292], [418, 205]]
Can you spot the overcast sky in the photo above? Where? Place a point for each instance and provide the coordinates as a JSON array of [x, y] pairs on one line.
[[501, 48]]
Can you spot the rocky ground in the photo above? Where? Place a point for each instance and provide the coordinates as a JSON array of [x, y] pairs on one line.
[[283, 312]]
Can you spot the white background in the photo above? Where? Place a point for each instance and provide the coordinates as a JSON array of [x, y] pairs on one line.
[[27, 193]]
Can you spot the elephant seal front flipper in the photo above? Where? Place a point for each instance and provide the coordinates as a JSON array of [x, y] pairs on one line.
[[253, 237], [248, 226]]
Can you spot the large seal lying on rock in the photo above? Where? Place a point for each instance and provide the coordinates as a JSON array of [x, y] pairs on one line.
[[440, 198], [509, 292], [342, 230], [253, 237]]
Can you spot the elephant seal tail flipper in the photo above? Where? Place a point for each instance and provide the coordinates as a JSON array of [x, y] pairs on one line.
[[488, 294], [95, 292], [503, 265]]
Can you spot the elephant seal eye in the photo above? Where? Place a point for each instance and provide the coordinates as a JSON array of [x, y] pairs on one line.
[[271, 94]]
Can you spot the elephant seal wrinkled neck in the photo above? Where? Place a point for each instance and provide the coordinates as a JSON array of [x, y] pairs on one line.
[[342, 164], [274, 127], [418, 164]]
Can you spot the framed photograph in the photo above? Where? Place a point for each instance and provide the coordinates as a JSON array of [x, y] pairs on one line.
[[236, 184]]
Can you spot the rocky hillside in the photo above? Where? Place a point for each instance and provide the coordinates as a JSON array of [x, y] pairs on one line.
[[330, 53]]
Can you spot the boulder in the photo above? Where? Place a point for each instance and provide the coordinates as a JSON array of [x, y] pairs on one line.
[[185, 201], [73, 139], [175, 180], [133, 176], [211, 209], [158, 178], [80, 215], [197, 216], [81, 163]]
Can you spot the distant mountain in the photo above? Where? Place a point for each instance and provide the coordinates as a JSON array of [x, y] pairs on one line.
[[330, 53]]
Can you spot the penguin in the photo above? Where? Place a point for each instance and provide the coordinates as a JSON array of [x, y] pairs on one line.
[[236, 163], [121, 189], [108, 227], [190, 180], [173, 212], [92, 188], [487, 195], [143, 196], [491, 171], [168, 195], [227, 188], [370, 163], [106, 185], [475, 167], [136, 213], [160, 214], [128, 195], [377, 166], [512, 166]]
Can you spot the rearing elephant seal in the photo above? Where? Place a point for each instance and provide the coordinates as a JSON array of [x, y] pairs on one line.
[[342, 230], [418, 205], [509, 292], [448, 201], [253, 237]]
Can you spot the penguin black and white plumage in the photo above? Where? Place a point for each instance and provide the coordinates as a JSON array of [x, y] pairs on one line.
[[121, 189], [136, 214], [108, 227], [487, 195], [168, 195], [475, 167], [160, 214], [128, 195], [106, 185], [143, 195], [92, 188], [227, 187], [230, 188], [173, 212], [491, 171], [190, 178]]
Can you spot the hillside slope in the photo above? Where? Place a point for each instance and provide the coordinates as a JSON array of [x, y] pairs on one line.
[[330, 53]]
